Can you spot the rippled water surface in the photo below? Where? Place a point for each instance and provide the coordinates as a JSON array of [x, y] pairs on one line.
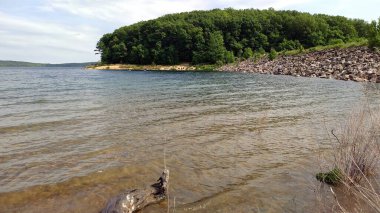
[[71, 138]]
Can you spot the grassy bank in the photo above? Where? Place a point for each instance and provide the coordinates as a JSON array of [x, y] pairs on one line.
[[338, 45]]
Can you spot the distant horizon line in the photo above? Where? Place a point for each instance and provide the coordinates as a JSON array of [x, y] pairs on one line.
[[21, 61]]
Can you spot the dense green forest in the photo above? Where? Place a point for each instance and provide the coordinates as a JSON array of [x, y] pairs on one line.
[[220, 36]]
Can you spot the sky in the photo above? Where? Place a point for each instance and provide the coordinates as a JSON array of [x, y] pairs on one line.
[[64, 31]]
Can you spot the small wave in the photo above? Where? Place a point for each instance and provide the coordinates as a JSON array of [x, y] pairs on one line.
[[38, 126]]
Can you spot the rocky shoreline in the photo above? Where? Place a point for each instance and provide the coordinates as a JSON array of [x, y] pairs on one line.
[[358, 64]]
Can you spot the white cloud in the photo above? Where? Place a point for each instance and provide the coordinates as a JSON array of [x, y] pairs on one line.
[[132, 11], [288, 3], [21, 36], [259, 4], [126, 12]]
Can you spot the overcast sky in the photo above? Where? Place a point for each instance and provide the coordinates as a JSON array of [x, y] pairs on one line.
[[60, 31]]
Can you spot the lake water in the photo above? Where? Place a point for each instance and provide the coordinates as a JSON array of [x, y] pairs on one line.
[[70, 138]]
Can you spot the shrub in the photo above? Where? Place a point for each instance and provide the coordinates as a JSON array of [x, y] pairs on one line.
[[219, 63], [272, 54], [248, 53], [374, 35], [290, 45], [229, 57], [336, 41]]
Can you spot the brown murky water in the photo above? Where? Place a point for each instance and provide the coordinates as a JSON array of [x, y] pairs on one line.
[[70, 139]]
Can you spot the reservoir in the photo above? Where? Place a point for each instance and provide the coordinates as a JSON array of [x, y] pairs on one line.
[[70, 138]]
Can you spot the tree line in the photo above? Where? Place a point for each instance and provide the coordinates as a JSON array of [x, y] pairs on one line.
[[220, 36]]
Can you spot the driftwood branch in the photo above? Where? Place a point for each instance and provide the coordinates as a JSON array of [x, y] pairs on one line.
[[134, 200]]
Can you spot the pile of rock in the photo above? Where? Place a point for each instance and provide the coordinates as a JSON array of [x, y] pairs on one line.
[[356, 64]]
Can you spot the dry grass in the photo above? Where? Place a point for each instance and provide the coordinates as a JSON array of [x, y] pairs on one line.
[[357, 153], [357, 157]]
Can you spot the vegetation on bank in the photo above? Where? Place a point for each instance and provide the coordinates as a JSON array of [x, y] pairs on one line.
[[221, 36], [254, 56], [374, 35], [337, 45], [273, 54]]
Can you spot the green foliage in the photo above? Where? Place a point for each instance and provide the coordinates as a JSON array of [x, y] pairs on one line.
[[216, 51], [248, 53], [201, 37], [374, 35], [336, 41], [333, 177], [258, 55], [272, 54], [338, 44], [119, 51], [206, 67], [290, 45], [138, 54], [229, 57]]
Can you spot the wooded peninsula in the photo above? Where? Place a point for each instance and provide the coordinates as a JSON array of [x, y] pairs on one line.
[[222, 36]]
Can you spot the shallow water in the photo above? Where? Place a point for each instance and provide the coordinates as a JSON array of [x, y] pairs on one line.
[[71, 138]]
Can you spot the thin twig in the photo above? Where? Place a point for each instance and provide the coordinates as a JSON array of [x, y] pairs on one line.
[[332, 132]]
